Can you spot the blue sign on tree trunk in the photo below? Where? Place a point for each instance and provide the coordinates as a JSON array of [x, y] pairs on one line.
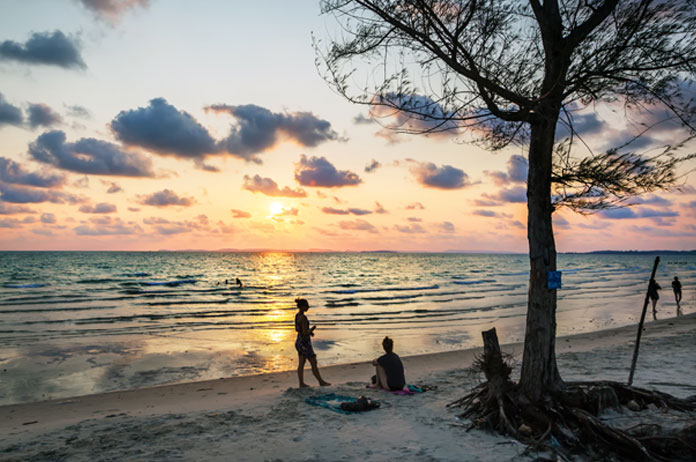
[[554, 280]]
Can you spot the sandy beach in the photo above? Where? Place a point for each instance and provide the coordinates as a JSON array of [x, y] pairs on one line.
[[265, 417]]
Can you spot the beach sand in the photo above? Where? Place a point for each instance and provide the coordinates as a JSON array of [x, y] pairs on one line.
[[265, 417]]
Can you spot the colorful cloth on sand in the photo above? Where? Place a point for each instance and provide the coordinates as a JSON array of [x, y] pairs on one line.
[[343, 404]]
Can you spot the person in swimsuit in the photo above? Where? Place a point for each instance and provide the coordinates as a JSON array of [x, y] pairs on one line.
[[303, 344]]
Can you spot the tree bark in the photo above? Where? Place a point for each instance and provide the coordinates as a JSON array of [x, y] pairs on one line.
[[539, 371]]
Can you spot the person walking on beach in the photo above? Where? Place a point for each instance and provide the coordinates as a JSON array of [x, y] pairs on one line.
[[677, 287], [303, 343], [653, 287], [390, 369]]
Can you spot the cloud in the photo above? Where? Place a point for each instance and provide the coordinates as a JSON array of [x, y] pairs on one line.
[[415, 206], [414, 219], [240, 213], [379, 209], [162, 128], [113, 187], [490, 214], [350, 211], [89, 155], [372, 166], [78, 111], [19, 195], [361, 119], [41, 115], [626, 213], [269, 187], [13, 223], [517, 168], [651, 199], [418, 113], [51, 49], [102, 207], [48, 218], [108, 226], [333, 211], [358, 225], [259, 129], [165, 198], [415, 228], [133, 209], [111, 10], [446, 227], [166, 227], [445, 177], [10, 209], [560, 222], [9, 114], [319, 172], [13, 172], [515, 195]]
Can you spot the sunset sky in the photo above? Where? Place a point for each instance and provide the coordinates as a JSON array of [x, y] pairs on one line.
[[171, 124]]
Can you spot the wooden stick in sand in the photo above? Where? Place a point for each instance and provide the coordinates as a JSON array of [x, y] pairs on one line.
[[642, 320]]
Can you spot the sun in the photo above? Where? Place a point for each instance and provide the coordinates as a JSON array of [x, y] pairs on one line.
[[276, 208]]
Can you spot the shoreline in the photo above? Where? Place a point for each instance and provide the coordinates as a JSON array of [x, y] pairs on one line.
[[262, 389]]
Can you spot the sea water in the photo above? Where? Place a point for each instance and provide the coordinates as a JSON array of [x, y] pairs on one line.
[[74, 323]]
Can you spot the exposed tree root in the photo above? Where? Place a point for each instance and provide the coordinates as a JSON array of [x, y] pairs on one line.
[[567, 422]]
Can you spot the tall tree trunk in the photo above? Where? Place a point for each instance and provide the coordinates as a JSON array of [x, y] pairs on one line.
[[539, 371]]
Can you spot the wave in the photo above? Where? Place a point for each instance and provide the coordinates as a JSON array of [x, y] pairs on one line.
[[480, 281], [382, 289], [173, 283], [24, 286]]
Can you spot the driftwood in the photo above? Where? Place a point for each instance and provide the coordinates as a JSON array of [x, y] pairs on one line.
[[567, 422]]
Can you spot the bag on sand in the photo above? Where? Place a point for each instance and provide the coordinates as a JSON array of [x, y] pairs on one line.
[[359, 405]]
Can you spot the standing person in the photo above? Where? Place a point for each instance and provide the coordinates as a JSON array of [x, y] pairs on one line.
[[303, 343], [390, 369], [653, 287], [676, 287]]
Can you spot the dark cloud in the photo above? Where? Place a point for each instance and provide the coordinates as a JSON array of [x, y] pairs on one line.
[[13, 172], [102, 207], [414, 219], [240, 213], [584, 124], [259, 129], [319, 172], [42, 232], [49, 48], [379, 209], [108, 226], [517, 168], [410, 229], [19, 195], [560, 222], [269, 187], [634, 213], [445, 177], [618, 214], [9, 114], [446, 227], [10, 209], [651, 200], [166, 198], [111, 10], [163, 128], [41, 115], [358, 225], [48, 218], [356, 211], [372, 166], [89, 155], [415, 206]]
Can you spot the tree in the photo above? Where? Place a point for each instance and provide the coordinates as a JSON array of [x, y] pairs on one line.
[[514, 71]]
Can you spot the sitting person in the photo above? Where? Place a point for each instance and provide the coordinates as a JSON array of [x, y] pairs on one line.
[[390, 369]]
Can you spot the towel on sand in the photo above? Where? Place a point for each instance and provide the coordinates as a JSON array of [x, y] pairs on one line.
[[343, 404]]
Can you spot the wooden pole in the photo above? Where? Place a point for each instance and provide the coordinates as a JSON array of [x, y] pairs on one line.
[[642, 320]]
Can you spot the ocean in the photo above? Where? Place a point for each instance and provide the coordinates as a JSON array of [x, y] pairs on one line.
[[75, 323]]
